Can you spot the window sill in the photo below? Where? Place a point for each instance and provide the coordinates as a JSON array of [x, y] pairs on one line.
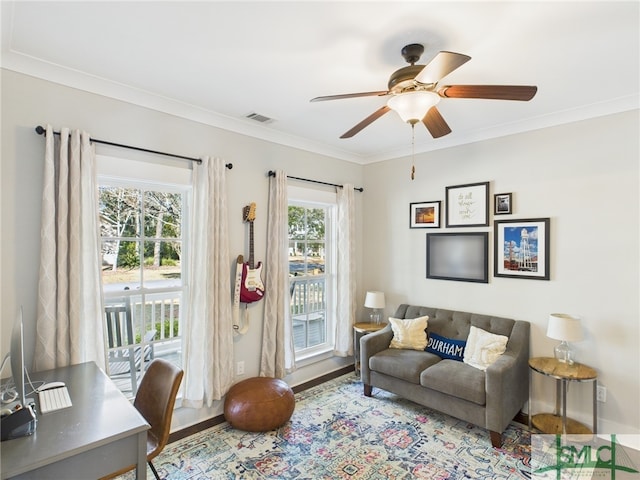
[[314, 357]]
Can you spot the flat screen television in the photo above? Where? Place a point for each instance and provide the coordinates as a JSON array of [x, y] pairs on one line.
[[458, 256]]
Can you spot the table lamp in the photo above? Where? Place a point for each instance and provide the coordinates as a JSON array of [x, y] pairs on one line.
[[374, 300], [567, 329]]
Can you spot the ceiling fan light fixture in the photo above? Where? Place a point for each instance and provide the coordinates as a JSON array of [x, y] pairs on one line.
[[413, 106]]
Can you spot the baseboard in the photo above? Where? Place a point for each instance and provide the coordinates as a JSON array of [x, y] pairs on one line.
[[324, 378], [218, 419]]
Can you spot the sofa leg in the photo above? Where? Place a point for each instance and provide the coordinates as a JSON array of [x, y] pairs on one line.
[[496, 439], [368, 390]]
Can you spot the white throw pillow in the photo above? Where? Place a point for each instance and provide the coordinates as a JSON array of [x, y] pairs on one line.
[[483, 348], [409, 333]]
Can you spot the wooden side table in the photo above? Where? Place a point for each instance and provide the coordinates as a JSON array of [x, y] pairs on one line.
[[558, 423], [360, 329]]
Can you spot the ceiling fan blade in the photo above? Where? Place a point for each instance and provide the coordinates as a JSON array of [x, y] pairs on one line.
[[436, 125], [350, 95], [492, 92], [442, 65], [367, 121]]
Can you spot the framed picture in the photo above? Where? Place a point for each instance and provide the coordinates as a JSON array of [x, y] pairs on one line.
[[502, 204], [468, 205], [424, 215], [522, 248], [458, 256]]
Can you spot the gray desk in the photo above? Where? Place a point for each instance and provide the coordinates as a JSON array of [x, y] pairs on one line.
[[101, 433]]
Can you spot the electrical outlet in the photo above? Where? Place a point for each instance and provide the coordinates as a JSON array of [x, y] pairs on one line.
[[240, 368], [601, 394]]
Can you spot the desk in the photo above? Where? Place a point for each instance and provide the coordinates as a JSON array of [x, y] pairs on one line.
[[558, 423], [359, 330], [101, 433]]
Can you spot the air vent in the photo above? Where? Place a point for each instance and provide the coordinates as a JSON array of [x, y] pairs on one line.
[[259, 118]]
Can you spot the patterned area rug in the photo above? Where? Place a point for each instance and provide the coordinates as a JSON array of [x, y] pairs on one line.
[[338, 433]]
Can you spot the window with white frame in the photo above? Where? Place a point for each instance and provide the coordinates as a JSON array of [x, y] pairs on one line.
[[143, 230], [312, 283]]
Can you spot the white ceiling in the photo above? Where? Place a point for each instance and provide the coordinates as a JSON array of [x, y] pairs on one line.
[[216, 62]]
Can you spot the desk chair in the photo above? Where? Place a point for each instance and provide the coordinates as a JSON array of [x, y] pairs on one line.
[[125, 358], [155, 400]]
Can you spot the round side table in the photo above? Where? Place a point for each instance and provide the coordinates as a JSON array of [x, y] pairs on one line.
[[558, 423], [360, 329]]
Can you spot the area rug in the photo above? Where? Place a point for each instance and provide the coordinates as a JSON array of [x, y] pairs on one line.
[[338, 433]]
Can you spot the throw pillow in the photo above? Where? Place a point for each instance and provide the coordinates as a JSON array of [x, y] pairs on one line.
[[446, 347], [483, 348], [409, 333]]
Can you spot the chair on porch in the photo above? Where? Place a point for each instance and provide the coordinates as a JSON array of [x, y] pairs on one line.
[[125, 354]]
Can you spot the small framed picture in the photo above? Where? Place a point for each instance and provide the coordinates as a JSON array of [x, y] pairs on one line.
[[521, 248], [502, 204], [468, 205], [424, 215]]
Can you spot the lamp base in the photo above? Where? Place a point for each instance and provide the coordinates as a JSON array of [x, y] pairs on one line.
[[375, 317], [564, 354]]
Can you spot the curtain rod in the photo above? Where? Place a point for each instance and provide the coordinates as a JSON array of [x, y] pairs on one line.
[[273, 174], [41, 131]]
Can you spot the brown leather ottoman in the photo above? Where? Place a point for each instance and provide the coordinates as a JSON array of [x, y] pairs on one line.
[[259, 404]]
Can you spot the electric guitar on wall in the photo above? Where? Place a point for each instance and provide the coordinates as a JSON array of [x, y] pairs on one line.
[[251, 286]]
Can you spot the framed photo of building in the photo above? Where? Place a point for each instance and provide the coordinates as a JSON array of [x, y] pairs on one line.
[[522, 248], [468, 205], [502, 204], [424, 215], [458, 256]]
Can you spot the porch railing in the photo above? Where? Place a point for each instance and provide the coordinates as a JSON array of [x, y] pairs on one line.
[[308, 311]]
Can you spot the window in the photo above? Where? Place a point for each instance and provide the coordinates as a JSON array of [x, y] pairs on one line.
[[142, 248], [311, 271]]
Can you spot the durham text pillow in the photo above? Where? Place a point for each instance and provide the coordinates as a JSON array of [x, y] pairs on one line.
[[446, 347]]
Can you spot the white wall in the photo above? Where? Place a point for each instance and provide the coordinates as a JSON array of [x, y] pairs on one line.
[[584, 177], [27, 102]]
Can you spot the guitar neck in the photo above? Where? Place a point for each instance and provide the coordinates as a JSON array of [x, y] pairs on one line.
[[251, 244]]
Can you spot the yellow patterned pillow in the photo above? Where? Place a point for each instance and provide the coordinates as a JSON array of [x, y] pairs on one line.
[[409, 333]]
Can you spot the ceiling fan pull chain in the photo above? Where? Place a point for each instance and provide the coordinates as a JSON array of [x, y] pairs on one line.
[[413, 151]]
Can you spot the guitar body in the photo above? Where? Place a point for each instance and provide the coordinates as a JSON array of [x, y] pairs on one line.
[[251, 287]]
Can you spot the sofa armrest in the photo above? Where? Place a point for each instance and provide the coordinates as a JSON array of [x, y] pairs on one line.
[[507, 380], [371, 344]]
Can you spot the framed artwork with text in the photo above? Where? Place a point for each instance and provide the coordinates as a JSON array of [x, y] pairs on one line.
[[468, 205]]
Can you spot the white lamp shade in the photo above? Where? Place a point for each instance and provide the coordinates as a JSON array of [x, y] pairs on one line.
[[564, 327], [374, 300], [413, 106]]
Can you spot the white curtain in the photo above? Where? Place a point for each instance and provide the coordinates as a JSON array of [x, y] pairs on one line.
[[346, 304], [278, 356], [208, 332], [69, 327]]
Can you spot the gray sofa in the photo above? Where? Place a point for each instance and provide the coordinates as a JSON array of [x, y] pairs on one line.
[[489, 399]]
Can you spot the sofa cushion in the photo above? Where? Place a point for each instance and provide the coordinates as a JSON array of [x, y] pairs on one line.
[[483, 348], [404, 364], [456, 379], [409, 333], [446, 347]]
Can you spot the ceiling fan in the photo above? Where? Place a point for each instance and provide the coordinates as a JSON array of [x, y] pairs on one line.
[[415, 91]]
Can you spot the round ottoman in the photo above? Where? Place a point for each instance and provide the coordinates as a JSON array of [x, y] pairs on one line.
[[259, 404]]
